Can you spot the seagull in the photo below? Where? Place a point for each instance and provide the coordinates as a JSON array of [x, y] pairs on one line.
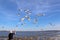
[[51, 24], [20, 10], [16, 25], [27, 17], [35, 21], [18, 14], [28, 11], [22, 19], [40, 14]]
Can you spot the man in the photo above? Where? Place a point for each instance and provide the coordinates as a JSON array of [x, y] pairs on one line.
[[10, 36]]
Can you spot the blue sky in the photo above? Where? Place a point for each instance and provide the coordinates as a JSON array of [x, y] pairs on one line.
[[9, 11]]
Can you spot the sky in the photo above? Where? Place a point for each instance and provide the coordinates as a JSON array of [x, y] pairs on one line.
[[9, 19]]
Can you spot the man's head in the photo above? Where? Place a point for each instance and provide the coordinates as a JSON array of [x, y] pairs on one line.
[[11, 31]]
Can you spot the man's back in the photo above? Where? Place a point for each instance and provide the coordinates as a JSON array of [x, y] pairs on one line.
[[10, 36]]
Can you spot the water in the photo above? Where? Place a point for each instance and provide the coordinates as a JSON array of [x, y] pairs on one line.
[[31, 33]]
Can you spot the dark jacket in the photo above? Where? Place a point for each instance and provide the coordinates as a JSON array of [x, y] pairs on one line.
[[10, 36]]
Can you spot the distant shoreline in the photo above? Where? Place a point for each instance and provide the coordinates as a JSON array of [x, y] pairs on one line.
[[35, 30]]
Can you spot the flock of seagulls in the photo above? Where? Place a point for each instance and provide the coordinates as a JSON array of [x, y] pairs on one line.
[[28, 16], [51, 24]]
